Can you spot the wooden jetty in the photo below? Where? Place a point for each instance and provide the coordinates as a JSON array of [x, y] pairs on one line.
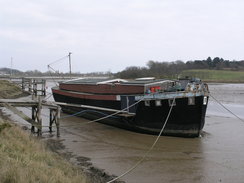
[[36, 86], [36, 119]]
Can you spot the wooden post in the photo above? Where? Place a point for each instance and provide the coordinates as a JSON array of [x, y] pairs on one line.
[[23, 84], [51, 119], [36, 117], [54, 118], [57, 120], [21, 114], [36, 120], [43, 87], [30, 85], [35, 87], [33, 116], [39, 119]]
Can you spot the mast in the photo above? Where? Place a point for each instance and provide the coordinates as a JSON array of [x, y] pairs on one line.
[[70, 62]]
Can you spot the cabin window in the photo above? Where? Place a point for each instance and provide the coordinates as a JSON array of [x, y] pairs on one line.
[[158, 103], [147, 103], [172, 102], [205, 100], [191, 101]]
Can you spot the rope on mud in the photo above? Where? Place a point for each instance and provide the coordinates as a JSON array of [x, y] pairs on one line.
[[148, 151], [226, 108]]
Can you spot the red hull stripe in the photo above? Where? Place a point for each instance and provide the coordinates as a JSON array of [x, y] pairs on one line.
[[84, 96]]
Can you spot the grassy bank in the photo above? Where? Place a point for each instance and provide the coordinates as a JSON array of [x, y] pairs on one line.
[[10, 90], [25, 159], [216, 75]]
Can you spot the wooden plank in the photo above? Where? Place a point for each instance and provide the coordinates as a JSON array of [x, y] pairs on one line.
[[50, 105], [17, 103], [21, 114], [93, 107], [20, 104], [12, 102], [36, 120]]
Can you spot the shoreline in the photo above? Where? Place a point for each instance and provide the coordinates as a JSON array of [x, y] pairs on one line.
[[223, 82], [28, 158], [92, 173]]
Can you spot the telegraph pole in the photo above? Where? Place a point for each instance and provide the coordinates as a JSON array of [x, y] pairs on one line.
[[70, 63], [11, 71]]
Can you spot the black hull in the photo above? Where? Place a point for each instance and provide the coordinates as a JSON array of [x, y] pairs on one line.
[[185, 120]]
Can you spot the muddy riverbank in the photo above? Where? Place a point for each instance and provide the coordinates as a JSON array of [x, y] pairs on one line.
[[217, 156], [25, 158], [11, 91]]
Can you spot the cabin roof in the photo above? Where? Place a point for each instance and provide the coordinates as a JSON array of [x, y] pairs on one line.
[[142, 82]]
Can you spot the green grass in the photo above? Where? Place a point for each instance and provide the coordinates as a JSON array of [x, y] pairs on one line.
[[216, 75], [25, 159], [9, 90]]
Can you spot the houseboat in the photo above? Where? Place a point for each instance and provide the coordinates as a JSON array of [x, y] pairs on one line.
[[140, 105]]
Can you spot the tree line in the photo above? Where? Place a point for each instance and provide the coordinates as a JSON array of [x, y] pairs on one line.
[[153, 68], [174, 68], [37, 73]]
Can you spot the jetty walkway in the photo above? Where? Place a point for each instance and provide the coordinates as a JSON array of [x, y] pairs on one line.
[[36, 107]]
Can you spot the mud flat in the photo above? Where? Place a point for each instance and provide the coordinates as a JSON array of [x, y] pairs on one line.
[[215, 157]]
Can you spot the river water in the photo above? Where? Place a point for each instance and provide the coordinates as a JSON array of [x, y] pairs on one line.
[[217, 156]]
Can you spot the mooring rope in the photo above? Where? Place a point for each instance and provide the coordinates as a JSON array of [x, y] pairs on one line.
[[84, 111], [48, 96], [56, 83], [226, 108], [107, 116], [92, 121], [148, 151], [75, 114]]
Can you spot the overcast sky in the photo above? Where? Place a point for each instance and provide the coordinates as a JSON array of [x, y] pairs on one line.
[[109, 35]]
